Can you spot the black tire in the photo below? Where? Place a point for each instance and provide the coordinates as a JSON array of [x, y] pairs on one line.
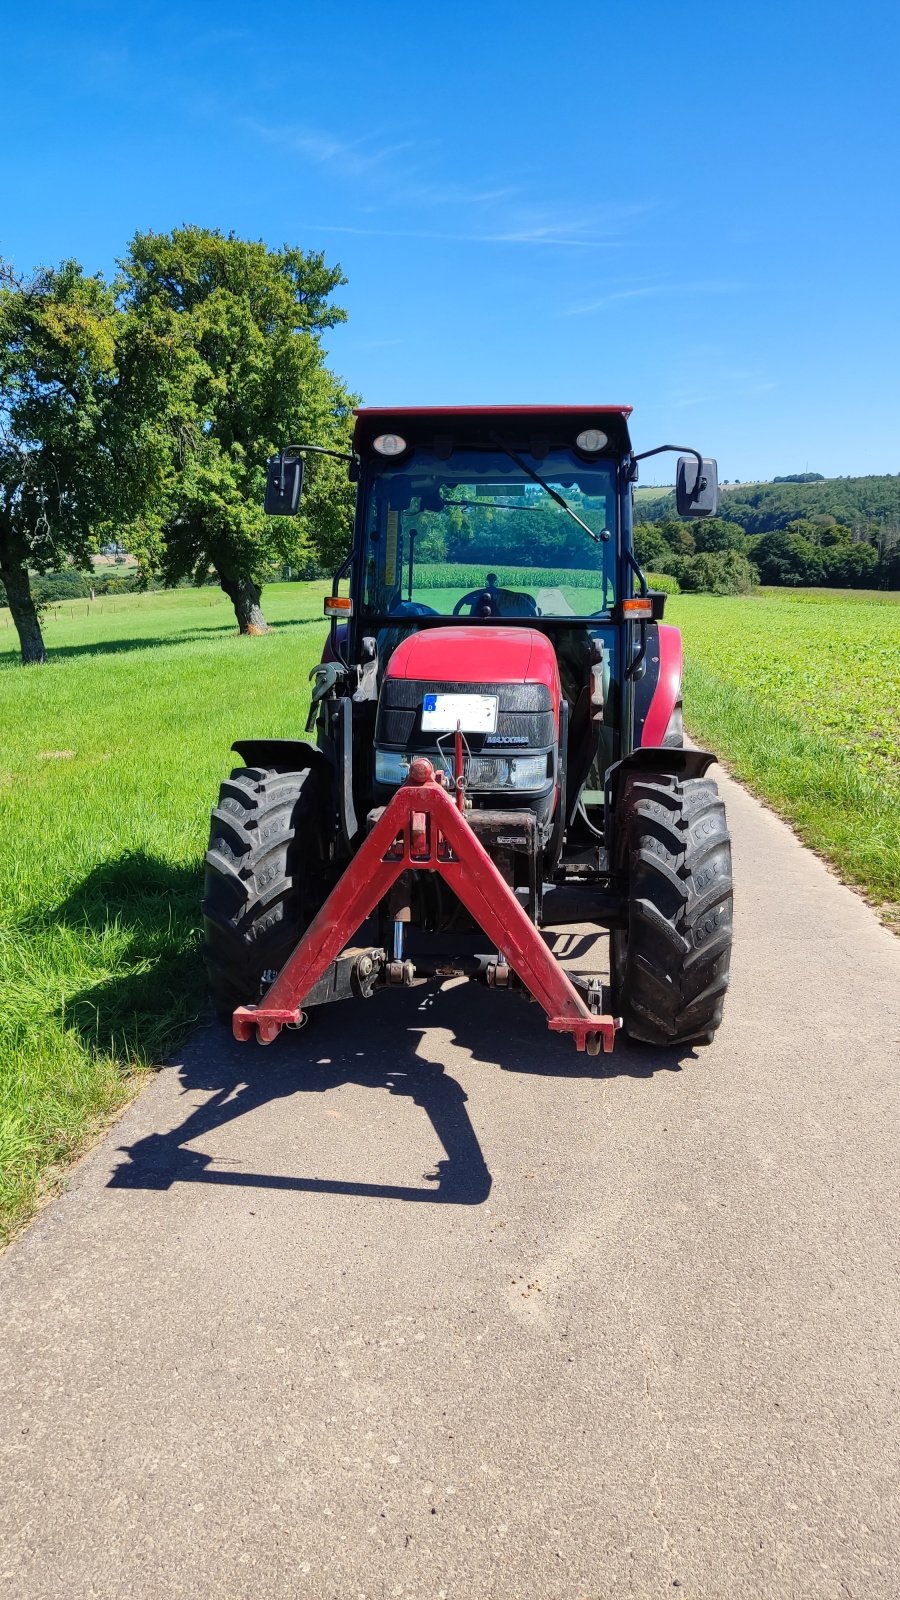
[[265, 878], [670, 965]]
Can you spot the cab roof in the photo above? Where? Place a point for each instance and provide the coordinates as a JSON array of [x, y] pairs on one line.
[[519, 426]]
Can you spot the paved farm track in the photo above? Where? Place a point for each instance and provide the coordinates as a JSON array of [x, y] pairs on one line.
[[418, 1305]]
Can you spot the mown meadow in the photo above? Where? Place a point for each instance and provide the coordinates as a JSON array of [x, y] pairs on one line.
[[112, 754], [111, 757]]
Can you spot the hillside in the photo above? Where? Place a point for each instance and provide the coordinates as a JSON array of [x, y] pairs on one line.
[[765, 507]]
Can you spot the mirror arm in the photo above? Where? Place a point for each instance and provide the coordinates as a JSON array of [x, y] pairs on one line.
[[319, 450], [679, 449]]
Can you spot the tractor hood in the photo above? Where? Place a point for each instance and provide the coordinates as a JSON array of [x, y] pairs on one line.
[[478, 655], [513, 764]]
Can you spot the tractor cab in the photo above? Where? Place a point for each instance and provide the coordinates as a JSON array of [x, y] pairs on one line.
[[471, 525], [492, 639], [493, 539]]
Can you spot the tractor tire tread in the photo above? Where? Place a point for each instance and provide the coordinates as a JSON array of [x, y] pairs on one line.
[[674, 974], [264, 875]]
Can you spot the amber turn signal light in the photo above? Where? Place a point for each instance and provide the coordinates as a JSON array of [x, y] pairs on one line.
[[338, 605]]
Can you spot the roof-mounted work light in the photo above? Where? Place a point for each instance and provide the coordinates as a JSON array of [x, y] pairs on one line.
[[591, 440], [389, 444]]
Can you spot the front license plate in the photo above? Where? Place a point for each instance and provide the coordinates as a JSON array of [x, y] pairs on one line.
[[475, 713]]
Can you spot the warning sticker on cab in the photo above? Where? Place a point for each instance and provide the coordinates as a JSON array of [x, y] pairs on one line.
[[473, 713]]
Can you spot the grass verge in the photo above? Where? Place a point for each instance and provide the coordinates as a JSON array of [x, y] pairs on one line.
[[111, 760]]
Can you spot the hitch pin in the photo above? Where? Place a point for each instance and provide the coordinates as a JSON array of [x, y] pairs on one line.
[[460, 775]]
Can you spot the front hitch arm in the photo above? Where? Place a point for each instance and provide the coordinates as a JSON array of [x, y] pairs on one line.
[[421, 830]]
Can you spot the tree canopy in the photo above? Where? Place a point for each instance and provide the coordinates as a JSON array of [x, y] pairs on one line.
[[58, 475], [243, 324]]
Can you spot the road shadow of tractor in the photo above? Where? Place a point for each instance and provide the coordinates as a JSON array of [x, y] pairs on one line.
[[390, 1047], [238, 1080], [140, 913]]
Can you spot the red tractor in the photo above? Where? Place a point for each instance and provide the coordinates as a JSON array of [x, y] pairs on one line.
[[499, 746]]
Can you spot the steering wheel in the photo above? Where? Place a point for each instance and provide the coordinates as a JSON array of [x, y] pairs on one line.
[[474, 596]]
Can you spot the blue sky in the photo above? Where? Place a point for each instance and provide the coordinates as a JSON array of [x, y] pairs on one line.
[[693, 209]]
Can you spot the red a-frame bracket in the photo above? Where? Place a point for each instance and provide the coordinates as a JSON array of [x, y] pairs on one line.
[[422, 830]]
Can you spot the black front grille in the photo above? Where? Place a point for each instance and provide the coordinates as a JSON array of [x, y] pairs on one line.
[[525, 718]]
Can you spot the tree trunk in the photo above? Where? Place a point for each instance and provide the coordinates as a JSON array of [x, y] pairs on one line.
[[244, 595], [14, 576]]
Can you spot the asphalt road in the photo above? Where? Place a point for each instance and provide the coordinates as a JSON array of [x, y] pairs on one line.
[[420, 1303]]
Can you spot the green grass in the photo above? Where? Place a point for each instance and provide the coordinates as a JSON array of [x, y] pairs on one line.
[[112, 756], [111, 759], [799, 692]]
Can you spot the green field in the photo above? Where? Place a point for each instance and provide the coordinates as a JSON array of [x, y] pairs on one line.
[[651, 492], [112, 755], [799, 691]]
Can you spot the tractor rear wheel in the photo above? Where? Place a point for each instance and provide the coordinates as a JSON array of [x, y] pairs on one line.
[[670, 964], [265, 878]]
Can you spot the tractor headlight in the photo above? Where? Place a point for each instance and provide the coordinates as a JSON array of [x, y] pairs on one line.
[[391, 766], [482, 772], [508, 772]]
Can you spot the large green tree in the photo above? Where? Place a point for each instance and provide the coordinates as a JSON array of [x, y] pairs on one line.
[[58, 478], [714, 534], [244, 326]]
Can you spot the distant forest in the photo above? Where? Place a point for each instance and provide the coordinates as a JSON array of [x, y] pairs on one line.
[[857, 503], [839, 532]]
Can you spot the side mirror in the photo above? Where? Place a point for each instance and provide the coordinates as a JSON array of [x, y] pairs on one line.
[[696, 492], [284, 481]]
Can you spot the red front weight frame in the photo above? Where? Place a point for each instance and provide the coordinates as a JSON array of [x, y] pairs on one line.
[[422, 830]]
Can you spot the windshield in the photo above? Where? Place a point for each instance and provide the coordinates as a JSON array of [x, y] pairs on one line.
[[476, 536]]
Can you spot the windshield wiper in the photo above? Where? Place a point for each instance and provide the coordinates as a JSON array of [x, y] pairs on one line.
[[553, 493]]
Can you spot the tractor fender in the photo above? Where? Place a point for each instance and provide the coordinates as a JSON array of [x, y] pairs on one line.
[[667, 760], [670, 760], [282, 755], [657, 691]]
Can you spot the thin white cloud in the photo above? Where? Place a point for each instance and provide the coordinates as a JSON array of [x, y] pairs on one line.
[[466, 238], [353, 158], [396, 180], [452, 194], [516, 225], [649, 291]]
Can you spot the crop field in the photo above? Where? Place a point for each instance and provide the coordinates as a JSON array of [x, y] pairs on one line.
[[441, 584], [112, 756], [799, 691], [471, 575], [649, 491]]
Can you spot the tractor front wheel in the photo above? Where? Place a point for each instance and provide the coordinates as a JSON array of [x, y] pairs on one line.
[[670, 964], [265, 879]]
